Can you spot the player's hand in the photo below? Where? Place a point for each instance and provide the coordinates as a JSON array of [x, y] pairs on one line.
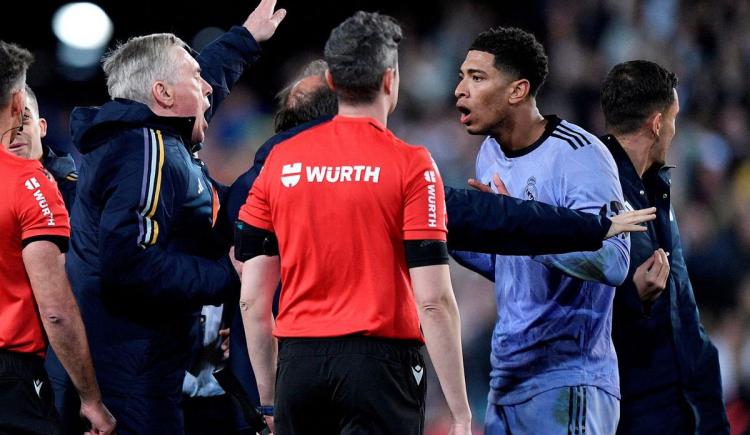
[[102, 421], [263, 21], [629, 222], [499, 185], [460, 429], [650, 278]]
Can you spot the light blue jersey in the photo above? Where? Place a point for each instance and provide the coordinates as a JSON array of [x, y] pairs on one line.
[[554, 312]]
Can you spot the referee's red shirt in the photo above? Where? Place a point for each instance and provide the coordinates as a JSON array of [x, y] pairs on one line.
[[30, 207], [341, 198]]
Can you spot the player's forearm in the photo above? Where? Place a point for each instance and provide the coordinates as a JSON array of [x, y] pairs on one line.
[[442, 332], [67, 337], [260, 275], [441, 326], [262, 348], [61, 319], [608, 265]]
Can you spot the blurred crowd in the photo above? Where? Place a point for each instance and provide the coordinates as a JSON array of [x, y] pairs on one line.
[[707, 43]]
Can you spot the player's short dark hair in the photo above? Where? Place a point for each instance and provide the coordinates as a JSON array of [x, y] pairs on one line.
[[633, 91], [14, 61], [359, 51], [517, 53]]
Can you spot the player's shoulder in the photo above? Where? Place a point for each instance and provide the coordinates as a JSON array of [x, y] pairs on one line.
[[572, 136], [575, 142]]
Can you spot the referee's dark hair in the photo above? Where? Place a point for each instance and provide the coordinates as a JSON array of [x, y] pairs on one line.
[[14, 61], [633, 91], [517, 53], [359, 51]]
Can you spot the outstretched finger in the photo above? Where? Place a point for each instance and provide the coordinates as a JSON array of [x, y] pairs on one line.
[[278, 16], [499, 185], [473, 182]]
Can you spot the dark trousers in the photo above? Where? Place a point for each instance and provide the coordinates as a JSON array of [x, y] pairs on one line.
[[208, 415], [349, 385], [27, 405], [664, 411]]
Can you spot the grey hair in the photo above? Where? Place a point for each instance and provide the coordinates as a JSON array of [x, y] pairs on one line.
[[133, 67], [359, 51]]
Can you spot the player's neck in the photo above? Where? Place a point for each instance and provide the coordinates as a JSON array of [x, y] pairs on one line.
[[638, 149], [377, 110], [521, 129]]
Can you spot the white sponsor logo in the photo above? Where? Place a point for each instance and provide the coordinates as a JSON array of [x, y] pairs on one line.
[[342, 174], [290, 174], [418, 372], [31, 183], [200, 187], [429, 176], [431, 207], [42, 201], [38, 387]]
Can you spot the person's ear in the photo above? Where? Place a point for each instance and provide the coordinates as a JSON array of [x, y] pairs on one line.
[[329, 81], [17, 104], [163, 94], [389, 80], [655, 122], [519, 90], [42, 128]]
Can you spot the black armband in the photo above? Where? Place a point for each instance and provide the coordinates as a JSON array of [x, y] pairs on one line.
[[425, 252], [60, 241], [250, 242]]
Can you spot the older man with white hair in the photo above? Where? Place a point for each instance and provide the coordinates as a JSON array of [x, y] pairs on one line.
[[144, 258]]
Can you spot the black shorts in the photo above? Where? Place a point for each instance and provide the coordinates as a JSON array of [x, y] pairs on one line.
[[350, 385], [27, 405]]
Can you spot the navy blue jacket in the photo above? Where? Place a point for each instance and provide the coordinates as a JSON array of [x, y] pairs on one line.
[[144, 255], [664, 354]]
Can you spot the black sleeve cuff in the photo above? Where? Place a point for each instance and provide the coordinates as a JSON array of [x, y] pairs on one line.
[[425, 253], [60, 241]]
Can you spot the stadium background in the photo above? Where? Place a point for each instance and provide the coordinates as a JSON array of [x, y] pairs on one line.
[[707, 43]]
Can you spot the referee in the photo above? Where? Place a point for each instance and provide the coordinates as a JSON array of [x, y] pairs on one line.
[[358, 218], [35, 296]]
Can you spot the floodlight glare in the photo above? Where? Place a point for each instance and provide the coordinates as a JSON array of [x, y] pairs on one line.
[[82, 25]]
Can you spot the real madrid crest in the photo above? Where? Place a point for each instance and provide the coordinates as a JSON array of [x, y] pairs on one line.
[[530, 191]]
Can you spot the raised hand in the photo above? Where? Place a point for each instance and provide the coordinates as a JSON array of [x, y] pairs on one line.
[[630, 222], [499, 185], [263, 21]]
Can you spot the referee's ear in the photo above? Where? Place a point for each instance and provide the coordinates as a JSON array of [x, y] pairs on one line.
[[329, 81]]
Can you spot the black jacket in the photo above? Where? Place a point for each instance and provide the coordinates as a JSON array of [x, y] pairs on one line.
[[663, 352]]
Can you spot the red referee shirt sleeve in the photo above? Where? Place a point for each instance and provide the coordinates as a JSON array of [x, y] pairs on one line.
[[39, 206], [424, 202], [256, 210]]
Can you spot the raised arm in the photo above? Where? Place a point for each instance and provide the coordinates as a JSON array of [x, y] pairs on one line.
[[224, 60]]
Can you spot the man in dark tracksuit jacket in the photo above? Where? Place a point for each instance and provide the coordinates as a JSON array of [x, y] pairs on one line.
[[144, 256], [669, 370]]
